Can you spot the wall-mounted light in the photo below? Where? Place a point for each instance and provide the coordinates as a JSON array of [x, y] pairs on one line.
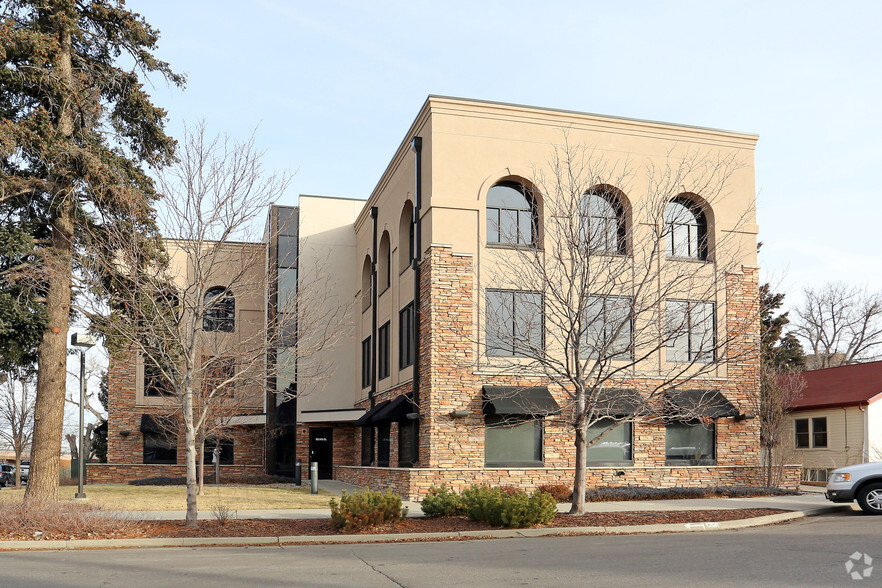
[[620, 472], [458, 414], [125, 433], [414, 416], [744, 416]]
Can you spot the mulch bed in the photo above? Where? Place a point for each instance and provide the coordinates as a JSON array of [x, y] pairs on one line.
[[292, 527]]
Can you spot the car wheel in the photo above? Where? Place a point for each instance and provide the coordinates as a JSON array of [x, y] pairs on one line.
[[870, 499]]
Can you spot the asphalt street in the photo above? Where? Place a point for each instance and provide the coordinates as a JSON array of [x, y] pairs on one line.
[[810, 552]]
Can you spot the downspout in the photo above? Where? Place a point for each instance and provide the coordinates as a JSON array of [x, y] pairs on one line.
[[845, 416], [373, 390], [374, 212], [417, 146]]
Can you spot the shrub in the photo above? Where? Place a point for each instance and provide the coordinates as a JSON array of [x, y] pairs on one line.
[[506, 508], [520, 510], [366, 509], [559, 492], [159, 481], [483, 503], [442, 502], [61, 520], [621, 493]]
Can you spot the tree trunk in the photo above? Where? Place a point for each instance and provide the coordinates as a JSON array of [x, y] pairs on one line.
[[52, 353], [190, 439], [18, 469], [578, 507]]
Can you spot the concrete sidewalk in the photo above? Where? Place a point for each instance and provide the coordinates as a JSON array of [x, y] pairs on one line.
[[806, 503]]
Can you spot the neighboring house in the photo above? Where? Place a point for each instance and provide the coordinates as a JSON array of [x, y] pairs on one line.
[[837, 420], [412, 268]]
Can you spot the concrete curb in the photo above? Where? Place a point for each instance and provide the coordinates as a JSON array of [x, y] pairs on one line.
[[394, 537]]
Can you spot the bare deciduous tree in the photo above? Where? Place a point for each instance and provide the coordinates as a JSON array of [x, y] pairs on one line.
[[618, 303], [772, 404], [841, 324], [17, 398], [193, 306]]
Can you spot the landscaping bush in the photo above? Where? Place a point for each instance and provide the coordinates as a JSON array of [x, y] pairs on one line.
[[506, 508], [60, 520], [366, 509], [159, 481], [442, 502], [522, 510], [621, 493], [559, 492]]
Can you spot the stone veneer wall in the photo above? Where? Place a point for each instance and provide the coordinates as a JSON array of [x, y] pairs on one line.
[[125, 453], [452, 449]]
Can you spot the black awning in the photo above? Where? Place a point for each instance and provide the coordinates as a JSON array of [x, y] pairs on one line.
[[692, 403], [396, 410], [366, 419], [157, 424], [532, 400], [616, 402]]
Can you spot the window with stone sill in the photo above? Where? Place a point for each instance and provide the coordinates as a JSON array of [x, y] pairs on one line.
[[513, 441], [691, 442]]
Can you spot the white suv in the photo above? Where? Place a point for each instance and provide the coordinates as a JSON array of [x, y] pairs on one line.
[[862, 482]]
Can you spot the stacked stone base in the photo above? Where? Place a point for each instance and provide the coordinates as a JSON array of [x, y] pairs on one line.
[[112, 473], [413, 483]]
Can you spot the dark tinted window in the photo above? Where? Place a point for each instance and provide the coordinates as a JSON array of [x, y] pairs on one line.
[[514, 323], [220, 311]]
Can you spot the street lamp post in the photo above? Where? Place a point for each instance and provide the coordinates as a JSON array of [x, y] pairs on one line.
[[84, 342]]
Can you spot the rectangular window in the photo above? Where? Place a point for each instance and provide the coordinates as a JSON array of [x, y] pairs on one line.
[[615, 444], [287, 251], [366, 363], [609, 332], [383, 352], [512, 441], [690, 443], [514, 325], [810, 433], [819, 432], [406, 335], [384, 444], [367, 445], [803, 438], [160, 448], [690, 331], [155, 382], [225, 451]]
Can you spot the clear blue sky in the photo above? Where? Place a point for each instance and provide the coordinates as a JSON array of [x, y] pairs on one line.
[[332, 87]]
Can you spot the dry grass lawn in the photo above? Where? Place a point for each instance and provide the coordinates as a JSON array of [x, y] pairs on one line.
[[126, 497]]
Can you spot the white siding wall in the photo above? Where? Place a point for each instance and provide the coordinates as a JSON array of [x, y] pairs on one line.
[[839, 451], [874, 418]]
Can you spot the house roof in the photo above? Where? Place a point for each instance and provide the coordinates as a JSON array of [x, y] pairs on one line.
[[847, 385]]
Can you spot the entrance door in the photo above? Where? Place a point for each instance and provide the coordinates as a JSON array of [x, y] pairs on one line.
[[321, 445]]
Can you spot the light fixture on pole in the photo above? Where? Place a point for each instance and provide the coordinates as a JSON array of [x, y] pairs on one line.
[[84, 341]]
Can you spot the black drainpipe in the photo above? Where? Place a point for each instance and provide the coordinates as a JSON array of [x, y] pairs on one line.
[[374, 212], [417, 254]]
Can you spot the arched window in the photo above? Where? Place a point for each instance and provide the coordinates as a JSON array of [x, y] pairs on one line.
[[685, 229], [603, 222], [366, 284], [511, 215], [220, 310], [384, 264], [405, 237]]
